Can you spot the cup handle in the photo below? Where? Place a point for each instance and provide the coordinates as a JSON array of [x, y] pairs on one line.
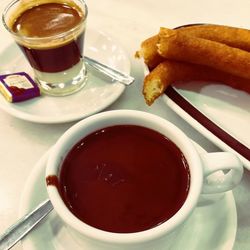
[[222, 172]]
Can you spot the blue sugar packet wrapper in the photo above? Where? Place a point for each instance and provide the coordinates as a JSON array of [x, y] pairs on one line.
[[17, 87]]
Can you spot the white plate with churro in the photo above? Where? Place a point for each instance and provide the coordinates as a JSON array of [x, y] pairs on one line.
[[217, 112], [202, 71]]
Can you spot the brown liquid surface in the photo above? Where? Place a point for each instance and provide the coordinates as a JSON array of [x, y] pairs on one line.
[[124, 179], [47, 20], [55, 59]]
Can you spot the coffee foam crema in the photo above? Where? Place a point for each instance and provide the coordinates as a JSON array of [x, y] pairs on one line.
[[53, 41]]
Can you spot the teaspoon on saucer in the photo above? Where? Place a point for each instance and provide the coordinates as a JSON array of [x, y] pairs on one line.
[[113, 73], [22, 227]]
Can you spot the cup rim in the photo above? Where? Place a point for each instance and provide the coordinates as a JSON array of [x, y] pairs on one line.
[[88, 231], [56, 36]]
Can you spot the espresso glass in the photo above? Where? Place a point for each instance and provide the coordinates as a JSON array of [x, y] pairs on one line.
[[56, 60]]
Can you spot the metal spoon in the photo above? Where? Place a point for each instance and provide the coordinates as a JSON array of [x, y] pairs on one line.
[[113, 73], [22, 227]]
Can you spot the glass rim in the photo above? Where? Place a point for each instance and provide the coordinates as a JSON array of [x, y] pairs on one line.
[[30, 39]]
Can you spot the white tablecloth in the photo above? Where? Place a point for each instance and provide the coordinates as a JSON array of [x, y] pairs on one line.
[[23, 143]]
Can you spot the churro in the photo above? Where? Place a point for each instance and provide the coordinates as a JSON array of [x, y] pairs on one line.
[[168, 72], [149, 52], [182, 47], [231, 36]]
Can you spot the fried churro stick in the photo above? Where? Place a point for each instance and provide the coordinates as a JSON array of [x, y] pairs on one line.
[[232, 36], [178, 46], [149, 52], [168, 72]]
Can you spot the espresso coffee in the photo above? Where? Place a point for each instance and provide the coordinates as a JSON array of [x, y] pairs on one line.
[[45, 20], [51, 35], [55, 59], [123, 179]]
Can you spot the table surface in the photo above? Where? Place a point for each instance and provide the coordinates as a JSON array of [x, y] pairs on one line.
[[23, 143]]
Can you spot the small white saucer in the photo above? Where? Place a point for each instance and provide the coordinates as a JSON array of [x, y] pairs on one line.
[[210, 227], [98, 93]]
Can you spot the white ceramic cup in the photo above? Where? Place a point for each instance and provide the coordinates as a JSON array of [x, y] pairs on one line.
[[163, 235]]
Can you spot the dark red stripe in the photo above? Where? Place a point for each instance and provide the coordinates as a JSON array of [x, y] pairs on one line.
[[207, 123]]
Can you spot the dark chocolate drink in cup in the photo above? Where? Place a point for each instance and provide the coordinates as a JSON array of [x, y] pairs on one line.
[[124, 179], [51, 35], [127, 179]]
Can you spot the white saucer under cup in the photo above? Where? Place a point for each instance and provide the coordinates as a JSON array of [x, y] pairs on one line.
[[52, 235]]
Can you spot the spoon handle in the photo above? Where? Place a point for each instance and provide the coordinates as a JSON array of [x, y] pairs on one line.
[[17, 231], [115, 74]]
